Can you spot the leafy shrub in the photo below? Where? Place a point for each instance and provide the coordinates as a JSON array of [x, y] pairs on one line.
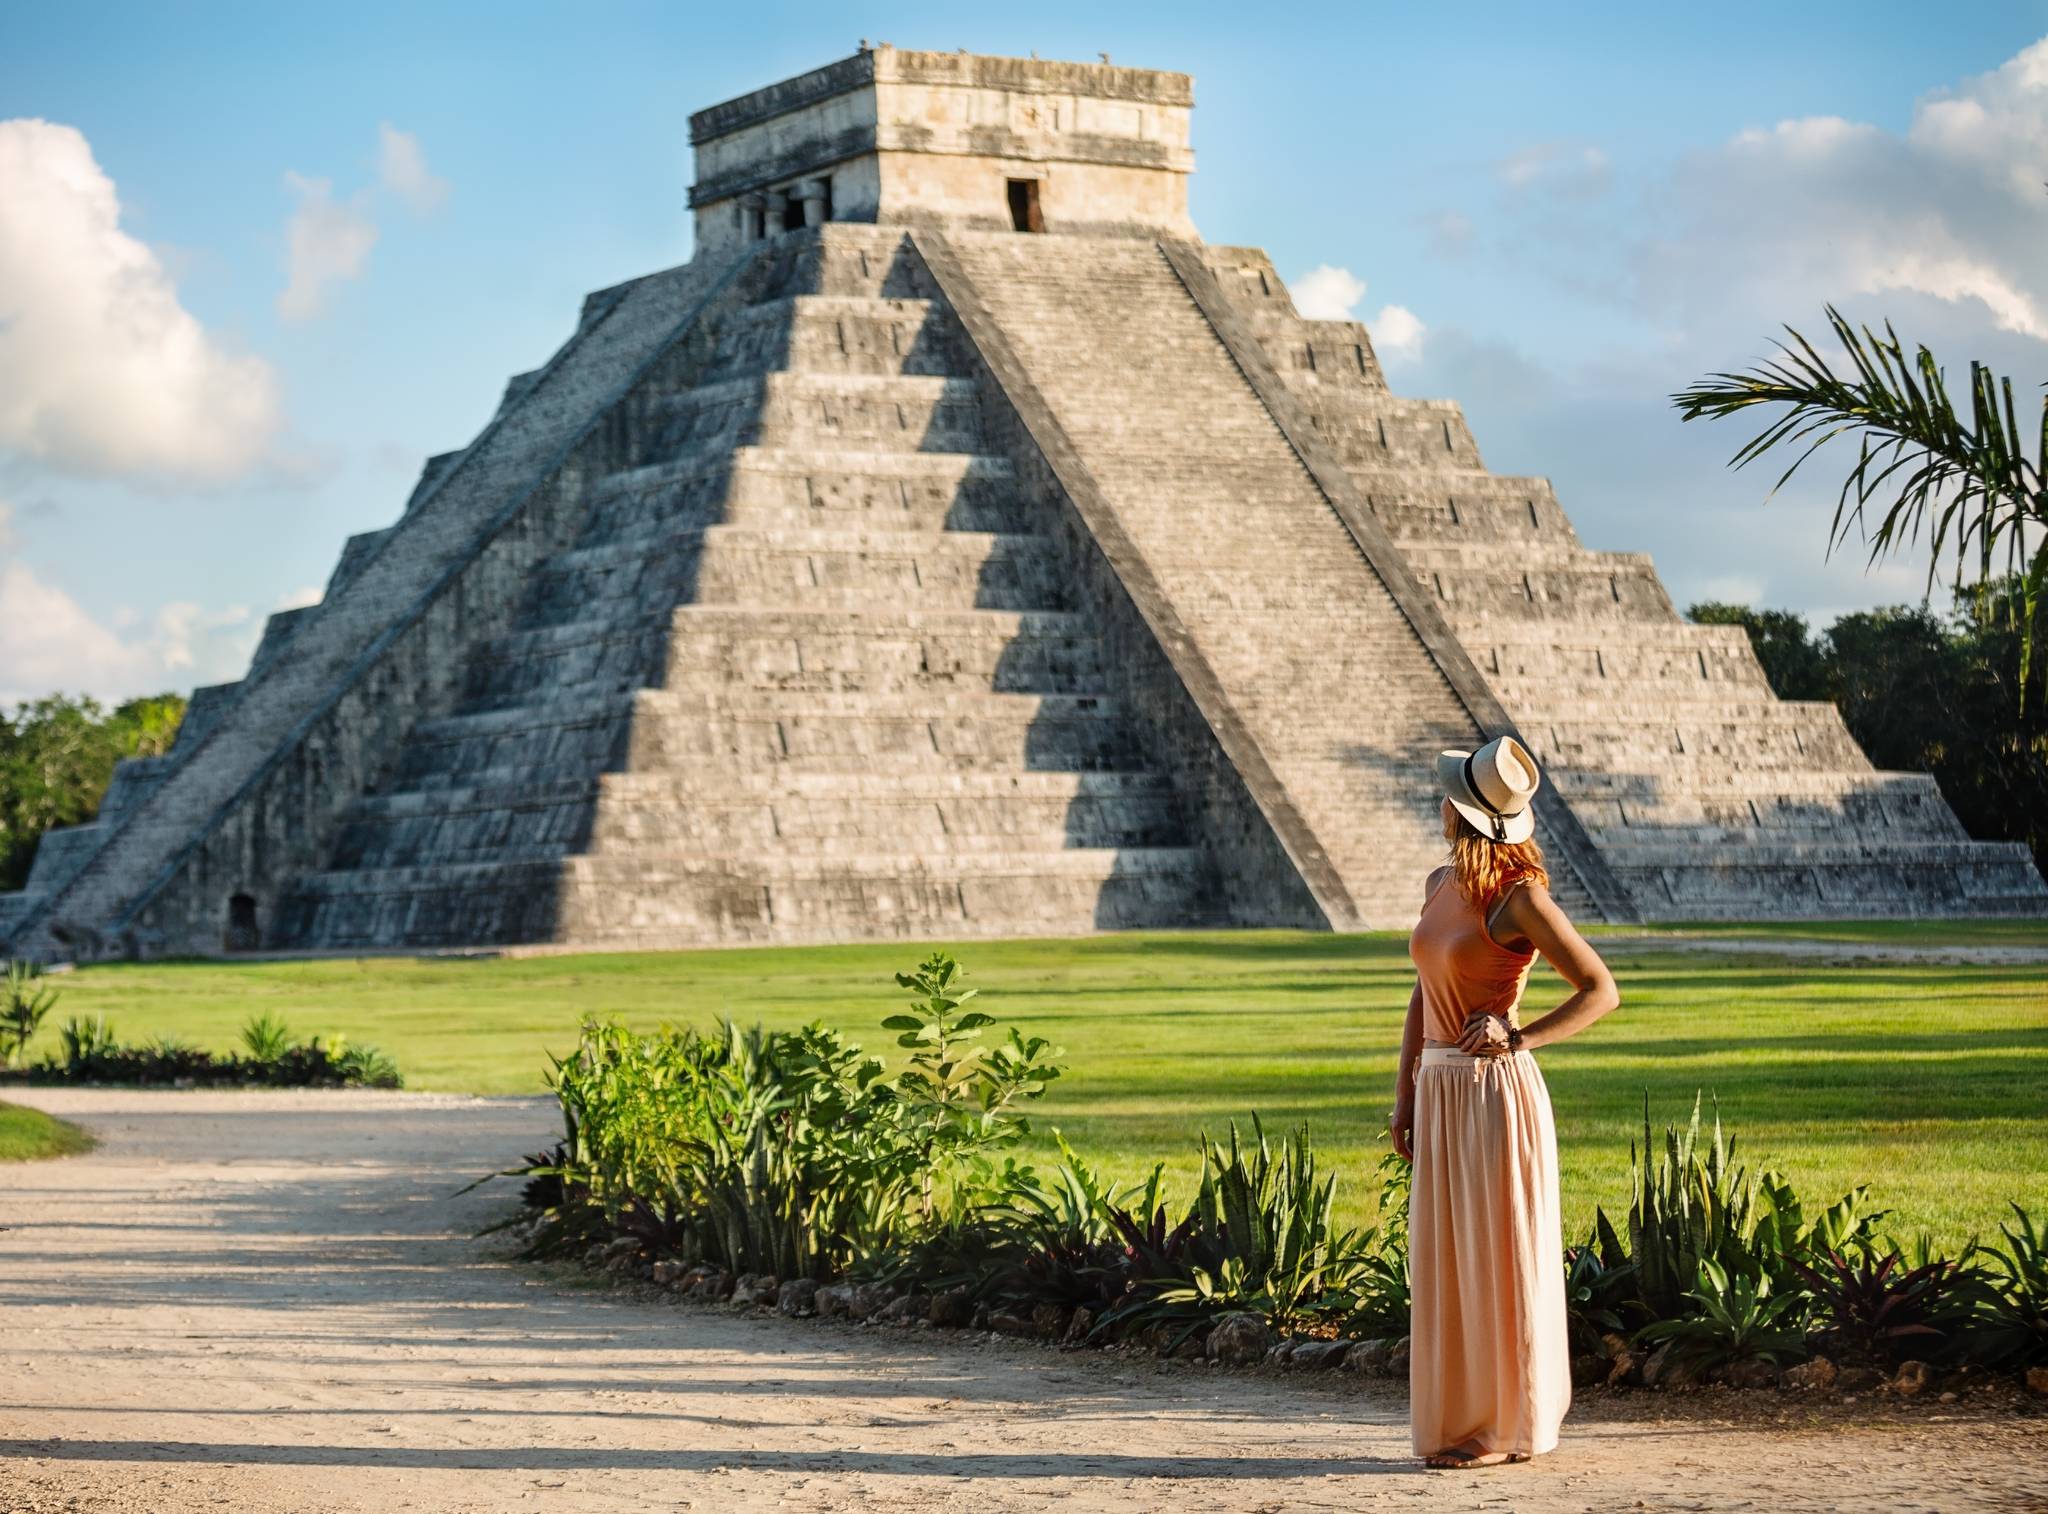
[[24, 1003], [791, 1151], [1599, 1286]]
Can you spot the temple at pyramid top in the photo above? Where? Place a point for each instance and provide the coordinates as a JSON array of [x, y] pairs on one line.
[[957, 140]]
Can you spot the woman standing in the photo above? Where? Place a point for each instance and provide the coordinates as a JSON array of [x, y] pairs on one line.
[[1489, 1373]]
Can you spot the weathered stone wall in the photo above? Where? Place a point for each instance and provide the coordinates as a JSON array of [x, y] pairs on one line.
[[933, 138], [313, 726]]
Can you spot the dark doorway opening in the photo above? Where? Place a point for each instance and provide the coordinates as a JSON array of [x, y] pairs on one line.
[[242, 935], [1024, 213]]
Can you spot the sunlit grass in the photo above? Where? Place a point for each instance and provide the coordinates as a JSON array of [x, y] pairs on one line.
[[1928, 1082], [29, 1135]]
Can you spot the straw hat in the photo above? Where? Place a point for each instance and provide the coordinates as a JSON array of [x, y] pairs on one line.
[[1493, 788]]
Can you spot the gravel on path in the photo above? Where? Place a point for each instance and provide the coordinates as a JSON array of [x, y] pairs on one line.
[[273, 1302]]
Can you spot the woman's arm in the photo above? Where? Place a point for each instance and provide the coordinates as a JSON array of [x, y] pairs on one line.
[[1401, 1123], [1531, 918]]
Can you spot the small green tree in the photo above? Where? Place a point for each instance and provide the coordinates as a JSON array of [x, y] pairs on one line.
[[24, 1002]]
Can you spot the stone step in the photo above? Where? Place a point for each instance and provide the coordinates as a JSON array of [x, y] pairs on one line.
[[863, 261], [806, 563], [1545, 668], [694, 899], [923, 728], [997, 650], [1828, 879], [1588, 588], [1882, 805], [1682, 748], [916, 491], [889, 413], [815, 333], [477, 824], [853, 567], [567, 735]]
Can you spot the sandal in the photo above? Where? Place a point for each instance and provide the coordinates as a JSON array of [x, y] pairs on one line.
[[1454, 1458]]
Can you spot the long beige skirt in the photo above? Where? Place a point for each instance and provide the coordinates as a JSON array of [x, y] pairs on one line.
[[1489, 1367]]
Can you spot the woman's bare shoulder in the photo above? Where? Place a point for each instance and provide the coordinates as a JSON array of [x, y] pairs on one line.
[[1435, 881]]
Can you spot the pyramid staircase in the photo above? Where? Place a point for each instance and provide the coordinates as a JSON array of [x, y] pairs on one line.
[[807, 672]]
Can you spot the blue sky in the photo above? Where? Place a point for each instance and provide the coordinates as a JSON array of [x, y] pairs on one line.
[[1558, 215]]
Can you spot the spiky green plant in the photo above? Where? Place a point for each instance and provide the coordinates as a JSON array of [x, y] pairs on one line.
[[25, 1001], [1736, 1318], [266, 1037]]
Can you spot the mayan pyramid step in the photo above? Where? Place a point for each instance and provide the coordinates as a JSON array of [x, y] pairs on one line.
[[956, 546]]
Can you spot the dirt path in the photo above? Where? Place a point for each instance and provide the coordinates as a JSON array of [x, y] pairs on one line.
[[266, 1302]]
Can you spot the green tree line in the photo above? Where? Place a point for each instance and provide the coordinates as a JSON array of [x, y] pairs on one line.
[[57, 756], [1927, 692]]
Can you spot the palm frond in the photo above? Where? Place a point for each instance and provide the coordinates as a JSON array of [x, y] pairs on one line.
[[1968, 483]]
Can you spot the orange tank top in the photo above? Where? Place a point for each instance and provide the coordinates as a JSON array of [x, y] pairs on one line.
[[1462, 968]]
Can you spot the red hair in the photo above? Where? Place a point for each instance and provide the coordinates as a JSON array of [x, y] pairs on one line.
[[1485, 868]]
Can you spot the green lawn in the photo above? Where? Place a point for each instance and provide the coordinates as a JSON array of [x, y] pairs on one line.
[[1928, 1082], [29, 1135]]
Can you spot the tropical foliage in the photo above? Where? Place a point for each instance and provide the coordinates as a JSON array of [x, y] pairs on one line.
[[796, 1154], [1973, 480]]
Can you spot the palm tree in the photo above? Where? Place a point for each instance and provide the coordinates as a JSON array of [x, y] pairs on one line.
[[1973, 486]]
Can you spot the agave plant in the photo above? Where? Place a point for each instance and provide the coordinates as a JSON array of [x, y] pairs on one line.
[[1736, 1318], [1690, 1206], [1260, 1236], [2015, 1322]]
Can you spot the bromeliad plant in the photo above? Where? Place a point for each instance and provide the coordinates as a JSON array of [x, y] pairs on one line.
[[1887, 1309]]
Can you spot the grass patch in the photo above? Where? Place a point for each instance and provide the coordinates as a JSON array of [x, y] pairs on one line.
[[29, 1135], [1922, 1080]]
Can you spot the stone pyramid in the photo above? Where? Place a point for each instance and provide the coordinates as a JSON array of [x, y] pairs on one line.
[[958, 546]]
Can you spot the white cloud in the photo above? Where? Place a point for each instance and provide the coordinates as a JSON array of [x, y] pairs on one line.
[[106, 373], [7, 536], [1397, 332], [301, 598], [1694, 267], [51, 643], [402, 165], [1327, 294], [1573, 170], [327, 242], [1778, 220]]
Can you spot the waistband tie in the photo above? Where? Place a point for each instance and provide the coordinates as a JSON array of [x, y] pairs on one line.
[[1450, 1056]]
